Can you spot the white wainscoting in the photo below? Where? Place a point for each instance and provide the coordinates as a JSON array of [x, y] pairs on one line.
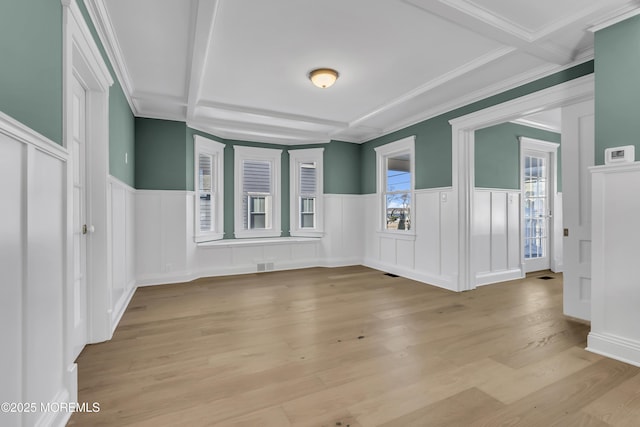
[[33, 261], [162, 226], [166, 251], [122, 202], [615, 290], [430, 256], [557, 260], [497, 251], [343, 242]]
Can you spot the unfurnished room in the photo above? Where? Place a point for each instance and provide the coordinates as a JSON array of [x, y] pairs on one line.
[[340, 213]]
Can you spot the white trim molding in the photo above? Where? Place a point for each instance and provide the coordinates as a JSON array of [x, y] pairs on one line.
[[463, 154], [274, 157], [102, 22], [383, 152], [214, 149], [296, 159]]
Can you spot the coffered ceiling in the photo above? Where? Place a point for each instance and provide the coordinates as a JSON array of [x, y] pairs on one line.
[[238, 68]]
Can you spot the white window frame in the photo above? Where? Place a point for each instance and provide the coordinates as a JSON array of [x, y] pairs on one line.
[[383, 152], [296, 158], [215, 149], [273, 156]]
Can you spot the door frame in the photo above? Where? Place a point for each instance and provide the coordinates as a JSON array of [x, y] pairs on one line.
[[551, 148], [463, 156], [82, 59]]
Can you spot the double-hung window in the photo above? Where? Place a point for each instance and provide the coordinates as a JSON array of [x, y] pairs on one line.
[[395, 185], [257, 192], [306, 190], [208, 186]]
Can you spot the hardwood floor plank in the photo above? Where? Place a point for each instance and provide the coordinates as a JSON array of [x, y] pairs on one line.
[[351, 346], [563, 399], [458, 410], [619, 406]]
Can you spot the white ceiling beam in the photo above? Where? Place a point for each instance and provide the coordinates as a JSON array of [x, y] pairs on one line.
[[203, 20], [493, 28], [270, 113]]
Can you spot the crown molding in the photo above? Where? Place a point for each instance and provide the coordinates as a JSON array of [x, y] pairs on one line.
[[102, 23], [479, 95], [620, 15]]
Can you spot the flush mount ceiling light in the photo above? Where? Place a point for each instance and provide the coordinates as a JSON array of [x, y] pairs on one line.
[[323, 77]]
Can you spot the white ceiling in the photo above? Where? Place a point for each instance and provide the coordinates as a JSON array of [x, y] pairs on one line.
[[550, 120], [238, 68]]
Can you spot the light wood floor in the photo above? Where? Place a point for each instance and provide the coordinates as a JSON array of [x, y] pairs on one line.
[[352, 347]]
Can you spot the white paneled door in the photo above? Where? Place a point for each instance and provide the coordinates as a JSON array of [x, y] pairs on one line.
[[536, 209], [577, 157], [78, 150]]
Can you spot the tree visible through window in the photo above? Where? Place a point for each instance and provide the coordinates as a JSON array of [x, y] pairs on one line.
[[398, 192], [395, 185]]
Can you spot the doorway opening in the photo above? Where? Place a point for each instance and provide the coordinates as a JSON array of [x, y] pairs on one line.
[[540, 203], [463, 147]]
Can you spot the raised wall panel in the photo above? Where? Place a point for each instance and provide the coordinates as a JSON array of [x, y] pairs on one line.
[[615, 253], [43, 294], [12, 229], [388, 254], [449, 234], [122, 203], [405, 254], [514, 245], [118, 241], [148, 233], [496, 235], [482, 231], [369, 219], [499, 232], [428, 254]]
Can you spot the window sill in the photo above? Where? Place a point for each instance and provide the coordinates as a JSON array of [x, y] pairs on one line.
[[257, 242], [208, 237], [313, 234], [398, 235]]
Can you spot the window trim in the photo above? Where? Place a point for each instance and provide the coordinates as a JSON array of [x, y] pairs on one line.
[[242, 153], [402, 146], [202, 145], [296, 157]]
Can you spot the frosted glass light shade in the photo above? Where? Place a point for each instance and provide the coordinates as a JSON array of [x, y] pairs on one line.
[[323, 77]]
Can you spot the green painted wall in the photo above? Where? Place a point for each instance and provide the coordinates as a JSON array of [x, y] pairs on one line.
[[31, 64], [341, 168], [617, 92], [433, 136], [121, 136], [121, 119], [160, 153], [497, 154]]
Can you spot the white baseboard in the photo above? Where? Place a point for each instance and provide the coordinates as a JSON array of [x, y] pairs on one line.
[[187, 276], [498, 276], [340, 262], [57, 418], [122, 307], [621, 349], [444, 282], [557, 266]]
